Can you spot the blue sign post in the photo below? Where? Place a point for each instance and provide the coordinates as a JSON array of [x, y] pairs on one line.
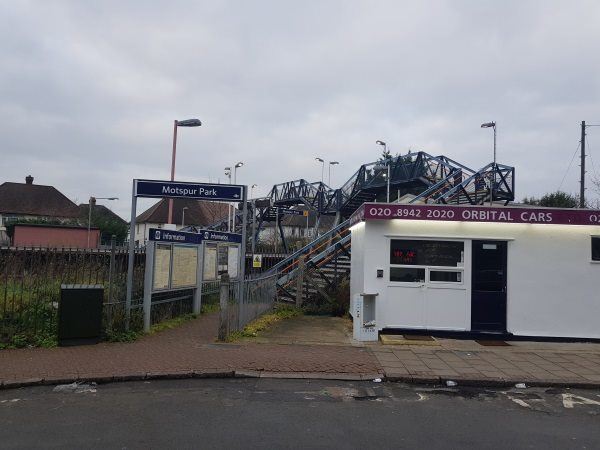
[[198, 191]]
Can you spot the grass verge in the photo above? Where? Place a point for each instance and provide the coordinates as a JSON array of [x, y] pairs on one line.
[[281, 312]]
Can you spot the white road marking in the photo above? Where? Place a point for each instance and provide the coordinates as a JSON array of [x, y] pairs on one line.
[[570, 400], [519, 402]]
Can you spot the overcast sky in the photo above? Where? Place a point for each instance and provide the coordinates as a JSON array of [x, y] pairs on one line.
[[89, 90]]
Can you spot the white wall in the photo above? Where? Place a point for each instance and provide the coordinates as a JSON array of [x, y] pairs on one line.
[[142, 230], [553, 287]]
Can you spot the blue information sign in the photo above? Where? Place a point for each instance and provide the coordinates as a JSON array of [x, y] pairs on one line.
[[199, 191], [211, 235], [179, 237], [184, 237]]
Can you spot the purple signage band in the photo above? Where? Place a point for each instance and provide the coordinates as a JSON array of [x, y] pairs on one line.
[[557, 216]]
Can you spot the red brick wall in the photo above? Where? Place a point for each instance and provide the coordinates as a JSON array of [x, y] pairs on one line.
[[48, 236]]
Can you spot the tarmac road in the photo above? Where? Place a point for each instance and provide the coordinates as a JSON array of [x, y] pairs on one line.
[[269, 413]]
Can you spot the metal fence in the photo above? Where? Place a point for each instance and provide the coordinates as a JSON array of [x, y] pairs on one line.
[[30, 281], [242, 302]]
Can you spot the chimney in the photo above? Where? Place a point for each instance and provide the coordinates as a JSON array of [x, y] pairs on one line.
[[29, 179]]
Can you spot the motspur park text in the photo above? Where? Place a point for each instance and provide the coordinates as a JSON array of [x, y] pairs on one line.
[[189, 191]]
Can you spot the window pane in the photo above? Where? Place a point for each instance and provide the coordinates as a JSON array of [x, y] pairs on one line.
[[448, 277], [596, 249], [407, 274], [426, 253]]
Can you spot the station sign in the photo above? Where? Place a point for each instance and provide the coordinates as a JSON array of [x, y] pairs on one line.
[[293, 212], [184, 237], [197, 191], [557, 216]]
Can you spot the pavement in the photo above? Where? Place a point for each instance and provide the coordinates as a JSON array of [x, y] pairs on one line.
[[468, 362], [304, 347], [189, 350], [268, 413]]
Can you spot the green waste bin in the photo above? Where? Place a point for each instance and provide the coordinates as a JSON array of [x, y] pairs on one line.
[[80, 314]]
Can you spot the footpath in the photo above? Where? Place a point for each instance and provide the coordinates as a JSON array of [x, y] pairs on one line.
[[304, 347]]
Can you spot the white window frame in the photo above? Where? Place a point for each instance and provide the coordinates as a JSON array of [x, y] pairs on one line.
[[427, 282]]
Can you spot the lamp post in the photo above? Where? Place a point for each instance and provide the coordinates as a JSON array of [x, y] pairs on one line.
[[387, 165], [383, 167], [322, 161], [235, 168], [183, 216], [493, 178], [252, 190], [331, 163], [384, 146], [178, 123], [92, 202], [228, 174]]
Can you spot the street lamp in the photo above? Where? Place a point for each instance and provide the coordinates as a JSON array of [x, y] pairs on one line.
[[331, 163], [387, 165], [235, 168], [322, 161], [252, 190], [92, 202], [178, 123], [183, 216], [493, 181]]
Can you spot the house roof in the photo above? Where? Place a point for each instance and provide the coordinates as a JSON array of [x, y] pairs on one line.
[[35, 200], [98, 211], [198, 212]]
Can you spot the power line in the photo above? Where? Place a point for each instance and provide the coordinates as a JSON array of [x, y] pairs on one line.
[[569, 168]]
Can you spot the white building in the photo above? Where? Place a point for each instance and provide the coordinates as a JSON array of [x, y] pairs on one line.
[[508, 270]]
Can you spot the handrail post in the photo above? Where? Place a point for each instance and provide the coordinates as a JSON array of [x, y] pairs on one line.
[[224, 307]]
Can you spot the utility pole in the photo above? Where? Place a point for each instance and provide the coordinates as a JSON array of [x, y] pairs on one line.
[[582, 183]]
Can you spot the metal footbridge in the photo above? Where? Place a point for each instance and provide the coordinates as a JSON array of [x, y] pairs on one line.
[[413, 178]]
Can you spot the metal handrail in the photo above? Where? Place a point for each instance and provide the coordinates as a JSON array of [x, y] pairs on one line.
[[296, 254]]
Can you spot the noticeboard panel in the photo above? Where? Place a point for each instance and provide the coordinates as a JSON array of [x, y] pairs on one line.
[[210, 262], [184, 268], [233, 261], [162, 267]]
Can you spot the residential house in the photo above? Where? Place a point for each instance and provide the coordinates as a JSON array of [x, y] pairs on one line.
[[296, 227], [186, 212], [28, 201]]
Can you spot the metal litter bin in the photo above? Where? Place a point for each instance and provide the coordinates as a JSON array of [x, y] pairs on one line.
[[80, 314]]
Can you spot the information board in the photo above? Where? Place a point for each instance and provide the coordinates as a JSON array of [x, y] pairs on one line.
[[233, 261], [210, 262], [162, 267], [185, 264]]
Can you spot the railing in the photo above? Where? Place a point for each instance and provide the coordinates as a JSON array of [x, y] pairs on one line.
[[320, 243], [30, 281], [474, 188], [241, 302]]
